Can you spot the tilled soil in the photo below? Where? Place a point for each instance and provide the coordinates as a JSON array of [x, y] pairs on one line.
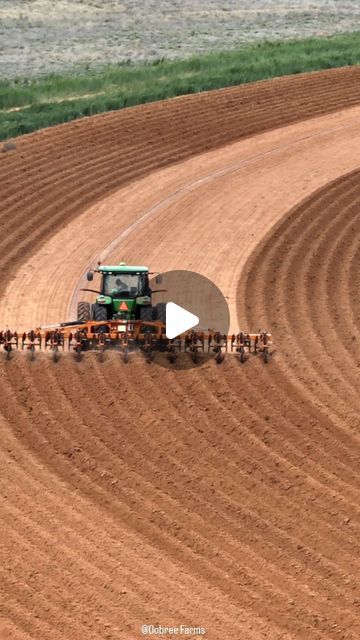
[[224, 496]]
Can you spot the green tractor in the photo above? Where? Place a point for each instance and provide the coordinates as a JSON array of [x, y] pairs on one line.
[[125, 294]]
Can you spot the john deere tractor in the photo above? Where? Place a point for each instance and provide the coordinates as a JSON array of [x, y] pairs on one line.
[[124, 294]]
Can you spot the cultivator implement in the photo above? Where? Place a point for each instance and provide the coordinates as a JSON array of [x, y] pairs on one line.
[[127, 337]]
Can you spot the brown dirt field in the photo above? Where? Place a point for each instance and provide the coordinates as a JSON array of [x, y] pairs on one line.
[[222, 497]]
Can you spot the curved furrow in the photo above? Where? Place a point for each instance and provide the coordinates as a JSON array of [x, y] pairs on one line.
[[92, 578], [353, 290], [24, 619], [331, 86], [153, 584], [329, 326], [294, 432], [94, 564], [27, 597], [227, 508], [291, 483], [251, 577], [105, 431], [245, 577], [92, 587], [286, 280], [127, 483], [143, 580], [315, 285], [342, 285], [296, 475], [304, 248]]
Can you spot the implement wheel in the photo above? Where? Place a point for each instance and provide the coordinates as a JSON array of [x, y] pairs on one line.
[[219, 357], [84, 312]]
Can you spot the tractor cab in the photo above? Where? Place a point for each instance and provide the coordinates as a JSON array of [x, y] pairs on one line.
[[124, 290], [125, 285]]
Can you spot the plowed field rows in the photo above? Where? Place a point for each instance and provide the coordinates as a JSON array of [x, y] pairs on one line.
[[225, 497]]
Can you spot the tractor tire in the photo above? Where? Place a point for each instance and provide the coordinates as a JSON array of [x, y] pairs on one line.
[[100, 314], [160, 312], [147, 314], [83, 312]]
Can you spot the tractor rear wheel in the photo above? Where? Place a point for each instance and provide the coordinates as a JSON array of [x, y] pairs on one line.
[[147, 314], [100, 315], [160, 312], [83, 312]]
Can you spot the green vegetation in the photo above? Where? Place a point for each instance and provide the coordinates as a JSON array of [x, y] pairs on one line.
[[27, 105]]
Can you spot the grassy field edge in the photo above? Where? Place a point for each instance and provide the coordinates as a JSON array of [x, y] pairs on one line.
[[27, 105]]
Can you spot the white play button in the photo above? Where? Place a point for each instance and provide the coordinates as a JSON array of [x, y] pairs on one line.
[[178, 320]]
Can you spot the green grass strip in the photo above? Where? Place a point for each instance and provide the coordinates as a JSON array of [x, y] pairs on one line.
[[27, 105]]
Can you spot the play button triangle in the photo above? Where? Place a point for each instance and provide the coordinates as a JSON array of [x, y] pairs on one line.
[[178, 320]]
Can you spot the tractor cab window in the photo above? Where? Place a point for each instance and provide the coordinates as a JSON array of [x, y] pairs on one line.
[[124, 285]]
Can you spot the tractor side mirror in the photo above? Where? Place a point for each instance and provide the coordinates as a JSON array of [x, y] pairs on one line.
[[89, 276], [159, 278]]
